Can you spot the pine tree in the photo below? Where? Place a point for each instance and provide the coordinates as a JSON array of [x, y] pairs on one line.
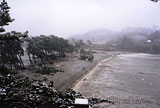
[[5, 18], [10, 42]]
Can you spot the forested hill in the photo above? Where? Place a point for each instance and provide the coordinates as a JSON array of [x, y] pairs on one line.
[[96, 36], [100, 36]]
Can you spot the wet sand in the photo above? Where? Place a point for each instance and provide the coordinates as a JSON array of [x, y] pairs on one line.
[[74, 70], [130, 80]]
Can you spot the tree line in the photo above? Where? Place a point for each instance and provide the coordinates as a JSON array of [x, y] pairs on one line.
[[146, 44], [43, 48], [10, 42], [47, 48]]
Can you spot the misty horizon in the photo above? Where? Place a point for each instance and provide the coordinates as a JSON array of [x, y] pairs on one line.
[[66, 18]]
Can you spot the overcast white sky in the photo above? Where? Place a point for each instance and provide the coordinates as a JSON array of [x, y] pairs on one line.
[[68, 17]]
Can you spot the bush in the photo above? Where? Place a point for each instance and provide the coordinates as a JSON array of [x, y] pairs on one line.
[[18, 91], [47, 70]]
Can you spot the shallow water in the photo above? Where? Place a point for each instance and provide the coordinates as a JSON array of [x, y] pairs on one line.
[[131, 80]]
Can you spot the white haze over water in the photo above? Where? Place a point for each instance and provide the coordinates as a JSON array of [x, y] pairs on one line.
[[68, 17]]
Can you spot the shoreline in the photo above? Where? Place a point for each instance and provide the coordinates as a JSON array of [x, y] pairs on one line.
[[74, 70], [81, 71], [89, 73]]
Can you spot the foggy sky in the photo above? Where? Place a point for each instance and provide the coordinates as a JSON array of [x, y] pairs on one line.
[[68, 17]]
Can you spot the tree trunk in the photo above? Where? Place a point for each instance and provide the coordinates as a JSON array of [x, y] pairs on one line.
[[21, 61], [30, 58], [42, 61], [34, 59]]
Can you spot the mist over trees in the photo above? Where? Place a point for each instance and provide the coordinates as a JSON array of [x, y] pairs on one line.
[[154, 42], [129, 39], [47, 48], [137, 43], [43, 48], [96, 36], [10, 42], [19, 91]]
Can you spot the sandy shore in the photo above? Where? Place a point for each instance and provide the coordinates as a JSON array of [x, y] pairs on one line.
[[74, 70], [130, 80]]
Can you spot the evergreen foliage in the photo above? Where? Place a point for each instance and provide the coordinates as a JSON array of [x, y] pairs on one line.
[[47, 48], [10, 42]]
